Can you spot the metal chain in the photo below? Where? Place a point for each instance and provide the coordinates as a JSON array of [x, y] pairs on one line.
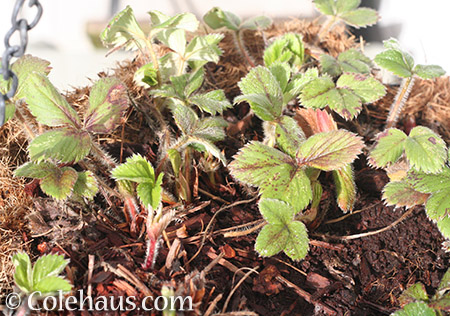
[[11, 51]]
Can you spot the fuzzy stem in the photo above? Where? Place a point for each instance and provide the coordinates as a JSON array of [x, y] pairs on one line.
[[104, 158], [399, 101], [241, 47], [154, 58], [326, 27], [187, 170]]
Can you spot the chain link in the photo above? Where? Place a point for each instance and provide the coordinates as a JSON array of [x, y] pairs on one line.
[[11, 51]]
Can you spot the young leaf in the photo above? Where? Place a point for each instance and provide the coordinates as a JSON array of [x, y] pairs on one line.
[[124, 31], [415, 309], [289, 135], [136, 168], [275, 173], [52, 284], [48, 265], [425, 150], [388, 149], [203, 49], [352, 61], [395, 59], [348, 11], [23, 272], [217, 18], [262, 91], [23, 67], [345, 188], [59, 184], [35, 170], [282, 233], [429, 71], [146, 74], [401, 193], [175, 39], [256, 23], [212, 102], [107, 101], [65, 145], [330, 150], [47, 104], [183, 21], [210, 128], [288, 48], [86, 185], [149, 193]]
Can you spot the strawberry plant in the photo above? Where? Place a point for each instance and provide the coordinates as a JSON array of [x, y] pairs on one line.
[[351, 60], [345, 11], [217, 18], [416, 301], [70, 138], [402, 64], [289, 49], [417, 165]]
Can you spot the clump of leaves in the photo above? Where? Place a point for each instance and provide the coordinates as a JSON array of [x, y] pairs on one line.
[[289, 49], [351, 60], [43, 276], [416, 301], [345, 11], [217, 18], [345, 96], [288, 173], [124, 32], [70, 139], [416, 165], [401, 63]]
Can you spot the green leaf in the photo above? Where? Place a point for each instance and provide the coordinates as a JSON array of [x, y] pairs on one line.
[[444, 285], [182, 21], [86, 185], [389, 148], [415, 292], [35, 170], [47, 104], [185, 118], [343, 6], [146, 74], [23, 67], [257, 23], [444, 226], [175, 160], [205, 143], [262, 91], [415, 309], [327, 7], [204, 48], [282, 233], [136, 168], [65, 145], [150, 193], [282, 73], [59, 184], [275, 173], [330, 65], [425, 150], [438, 205], [365, 87], [289, 135], [124, 31], [48, 265], [345, 188], [107, 102], [52, 284], [430, 183], [210, 128], [288, 48], [175, 39], [354, 61], [429, 71], [401, 193], [212, 102], [330, 150], [361, 17], [395, 59], [23, 277], [217, 18]]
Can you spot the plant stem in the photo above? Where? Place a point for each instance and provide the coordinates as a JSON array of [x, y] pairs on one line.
[[104, 157], [399, 101], [241, 47], [154, 58], [326, 27]]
